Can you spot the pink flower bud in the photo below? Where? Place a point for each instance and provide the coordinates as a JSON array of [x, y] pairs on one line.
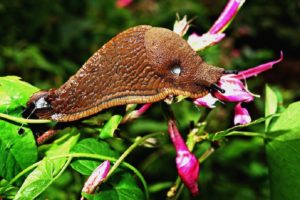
[[186, 163], [96, 178], [123, 3], [241, 115], [136, 113]]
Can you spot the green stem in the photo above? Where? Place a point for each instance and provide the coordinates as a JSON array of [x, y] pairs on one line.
[[181, 186], [138, 142], [206, 154], [24, 172], [246, 133], [23, 120], [83, 155]]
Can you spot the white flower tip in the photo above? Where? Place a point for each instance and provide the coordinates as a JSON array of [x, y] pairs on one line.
[[240, 2], [181, 26], [207, 101]]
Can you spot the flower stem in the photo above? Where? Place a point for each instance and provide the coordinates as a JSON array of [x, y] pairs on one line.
[[84, 155], [206, 154], [138, 142]]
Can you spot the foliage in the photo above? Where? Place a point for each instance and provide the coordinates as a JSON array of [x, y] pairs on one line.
[[46, 42]]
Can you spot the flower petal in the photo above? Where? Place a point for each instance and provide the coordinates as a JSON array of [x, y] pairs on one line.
[[241, 115], [257, 70], [188, 170], [206, 101], [226, 16], [96, 178], [181, 26], [235, 90], [201, 42]]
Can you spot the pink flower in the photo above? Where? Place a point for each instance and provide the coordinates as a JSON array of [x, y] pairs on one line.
[[241, 115], [214, 35], [236, 91], [123, 3], [96, 178], [230, 10], [186, 163], [136, 113]]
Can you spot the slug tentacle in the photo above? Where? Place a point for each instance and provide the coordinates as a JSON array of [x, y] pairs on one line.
[[143, 64]]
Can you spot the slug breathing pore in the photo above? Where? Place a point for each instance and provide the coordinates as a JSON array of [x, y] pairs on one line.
[[143, 64]]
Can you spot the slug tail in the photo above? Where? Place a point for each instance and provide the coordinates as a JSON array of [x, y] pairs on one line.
[[38, 106]]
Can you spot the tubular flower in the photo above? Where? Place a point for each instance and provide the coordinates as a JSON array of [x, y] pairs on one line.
[[214, 35], [236, 91], [241, 115], [136, 113], [186, 163], [96, 178], [229, 12]]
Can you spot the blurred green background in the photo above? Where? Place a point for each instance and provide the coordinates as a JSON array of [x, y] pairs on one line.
[[45, 42]]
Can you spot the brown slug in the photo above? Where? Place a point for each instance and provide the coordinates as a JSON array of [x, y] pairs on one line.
[[143, 64]]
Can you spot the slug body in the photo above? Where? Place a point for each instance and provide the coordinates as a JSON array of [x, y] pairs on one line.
[[143, 64]]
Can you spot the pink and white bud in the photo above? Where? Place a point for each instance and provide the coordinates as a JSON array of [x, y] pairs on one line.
[[136, 113], [207, 101], [96, 178], [241, 115], [186, 163], [199, 43], [181, 26]]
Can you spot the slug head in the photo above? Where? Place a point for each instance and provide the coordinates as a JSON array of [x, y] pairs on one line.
[[182, 69]]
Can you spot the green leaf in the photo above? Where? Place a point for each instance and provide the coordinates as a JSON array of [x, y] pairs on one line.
[[283, 154], [110, 127], [48, 170], [92, 146], [271, 104], [234, 130], [14, 93], [7, 191], [121, 186], [17, 151]]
